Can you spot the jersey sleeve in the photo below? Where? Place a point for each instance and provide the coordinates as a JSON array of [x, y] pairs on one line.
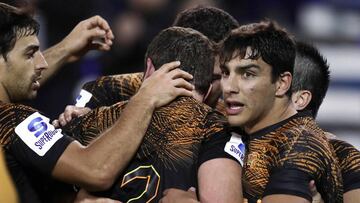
[[308, 158], [290, 181], [89, 126], [222, 145], [219, 142], [108, 90], [35, 143], [349, 159]]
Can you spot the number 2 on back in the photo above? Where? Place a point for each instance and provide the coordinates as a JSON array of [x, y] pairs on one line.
[[152, 178]]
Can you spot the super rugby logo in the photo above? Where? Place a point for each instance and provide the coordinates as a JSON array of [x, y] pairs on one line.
[[38, 126], [239, 150], [37, 133], [236, 148], [83, 98]]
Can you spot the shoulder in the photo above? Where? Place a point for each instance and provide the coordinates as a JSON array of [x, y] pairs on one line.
[[11, 116], [14, 112]]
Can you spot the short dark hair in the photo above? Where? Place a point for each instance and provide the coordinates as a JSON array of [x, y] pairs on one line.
[[14, 24], [311, 72], [267, 40], [214, 23], [190, 47]]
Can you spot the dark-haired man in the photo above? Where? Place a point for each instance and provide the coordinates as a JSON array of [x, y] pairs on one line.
[[285, 149], [310, 84], [34, 149], [187, 143]]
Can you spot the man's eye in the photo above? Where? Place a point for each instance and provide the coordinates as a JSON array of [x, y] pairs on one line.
[[248, 75], [30, 55]]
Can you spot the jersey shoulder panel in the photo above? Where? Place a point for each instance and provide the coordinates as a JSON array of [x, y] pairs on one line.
[[10, 116]]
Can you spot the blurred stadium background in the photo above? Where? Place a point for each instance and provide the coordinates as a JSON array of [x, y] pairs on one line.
[[332, 25]]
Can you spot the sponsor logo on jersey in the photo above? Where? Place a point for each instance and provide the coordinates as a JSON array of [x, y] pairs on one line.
[[236, 148], [37, 133], [83, 98]]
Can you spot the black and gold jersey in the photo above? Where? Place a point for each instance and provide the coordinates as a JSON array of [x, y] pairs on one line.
[[180, 137], [32, 147], [283, 158], [108, 90], [349, 162]]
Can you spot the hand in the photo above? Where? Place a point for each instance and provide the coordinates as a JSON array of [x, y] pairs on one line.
[[69, 113], [315, 194], [165, 84], [85, 197], [86, 36], [175, 195]]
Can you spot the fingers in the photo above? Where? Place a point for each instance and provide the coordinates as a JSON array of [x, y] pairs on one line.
[[192, 189], [312, 187], [56, 123], [98, 37], [99, 29], [69, 113], [169, 66], [171, 69], [178, 73], [97, 21], [181, 83]]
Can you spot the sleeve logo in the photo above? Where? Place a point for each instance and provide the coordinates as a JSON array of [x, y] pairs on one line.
[[236, 148], [38, 126], [83, 98], [37, 133]]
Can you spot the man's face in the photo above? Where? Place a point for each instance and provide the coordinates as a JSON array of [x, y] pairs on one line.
[[23, 69], [248, 92]]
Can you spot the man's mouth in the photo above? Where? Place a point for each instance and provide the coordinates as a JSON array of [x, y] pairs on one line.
[[36, 83], [234, 107]]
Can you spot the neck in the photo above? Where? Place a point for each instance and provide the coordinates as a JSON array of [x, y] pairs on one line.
[[282, 109], [4, 96]]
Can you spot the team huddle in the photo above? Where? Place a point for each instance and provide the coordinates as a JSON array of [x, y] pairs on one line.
[[222, 113]]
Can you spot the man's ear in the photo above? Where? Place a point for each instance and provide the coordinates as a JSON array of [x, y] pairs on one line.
[[301, 99], [283, 83], [150, 68]]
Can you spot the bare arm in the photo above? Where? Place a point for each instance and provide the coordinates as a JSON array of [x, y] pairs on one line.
[[80, 40], [220, 181], [85, 197], [173, 195], [352, 196], [96, 166]]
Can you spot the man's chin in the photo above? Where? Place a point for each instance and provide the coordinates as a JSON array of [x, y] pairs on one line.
[[235, 121]]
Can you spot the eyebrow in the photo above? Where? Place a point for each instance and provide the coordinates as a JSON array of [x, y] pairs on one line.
[[31, 48], [251, 65]]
